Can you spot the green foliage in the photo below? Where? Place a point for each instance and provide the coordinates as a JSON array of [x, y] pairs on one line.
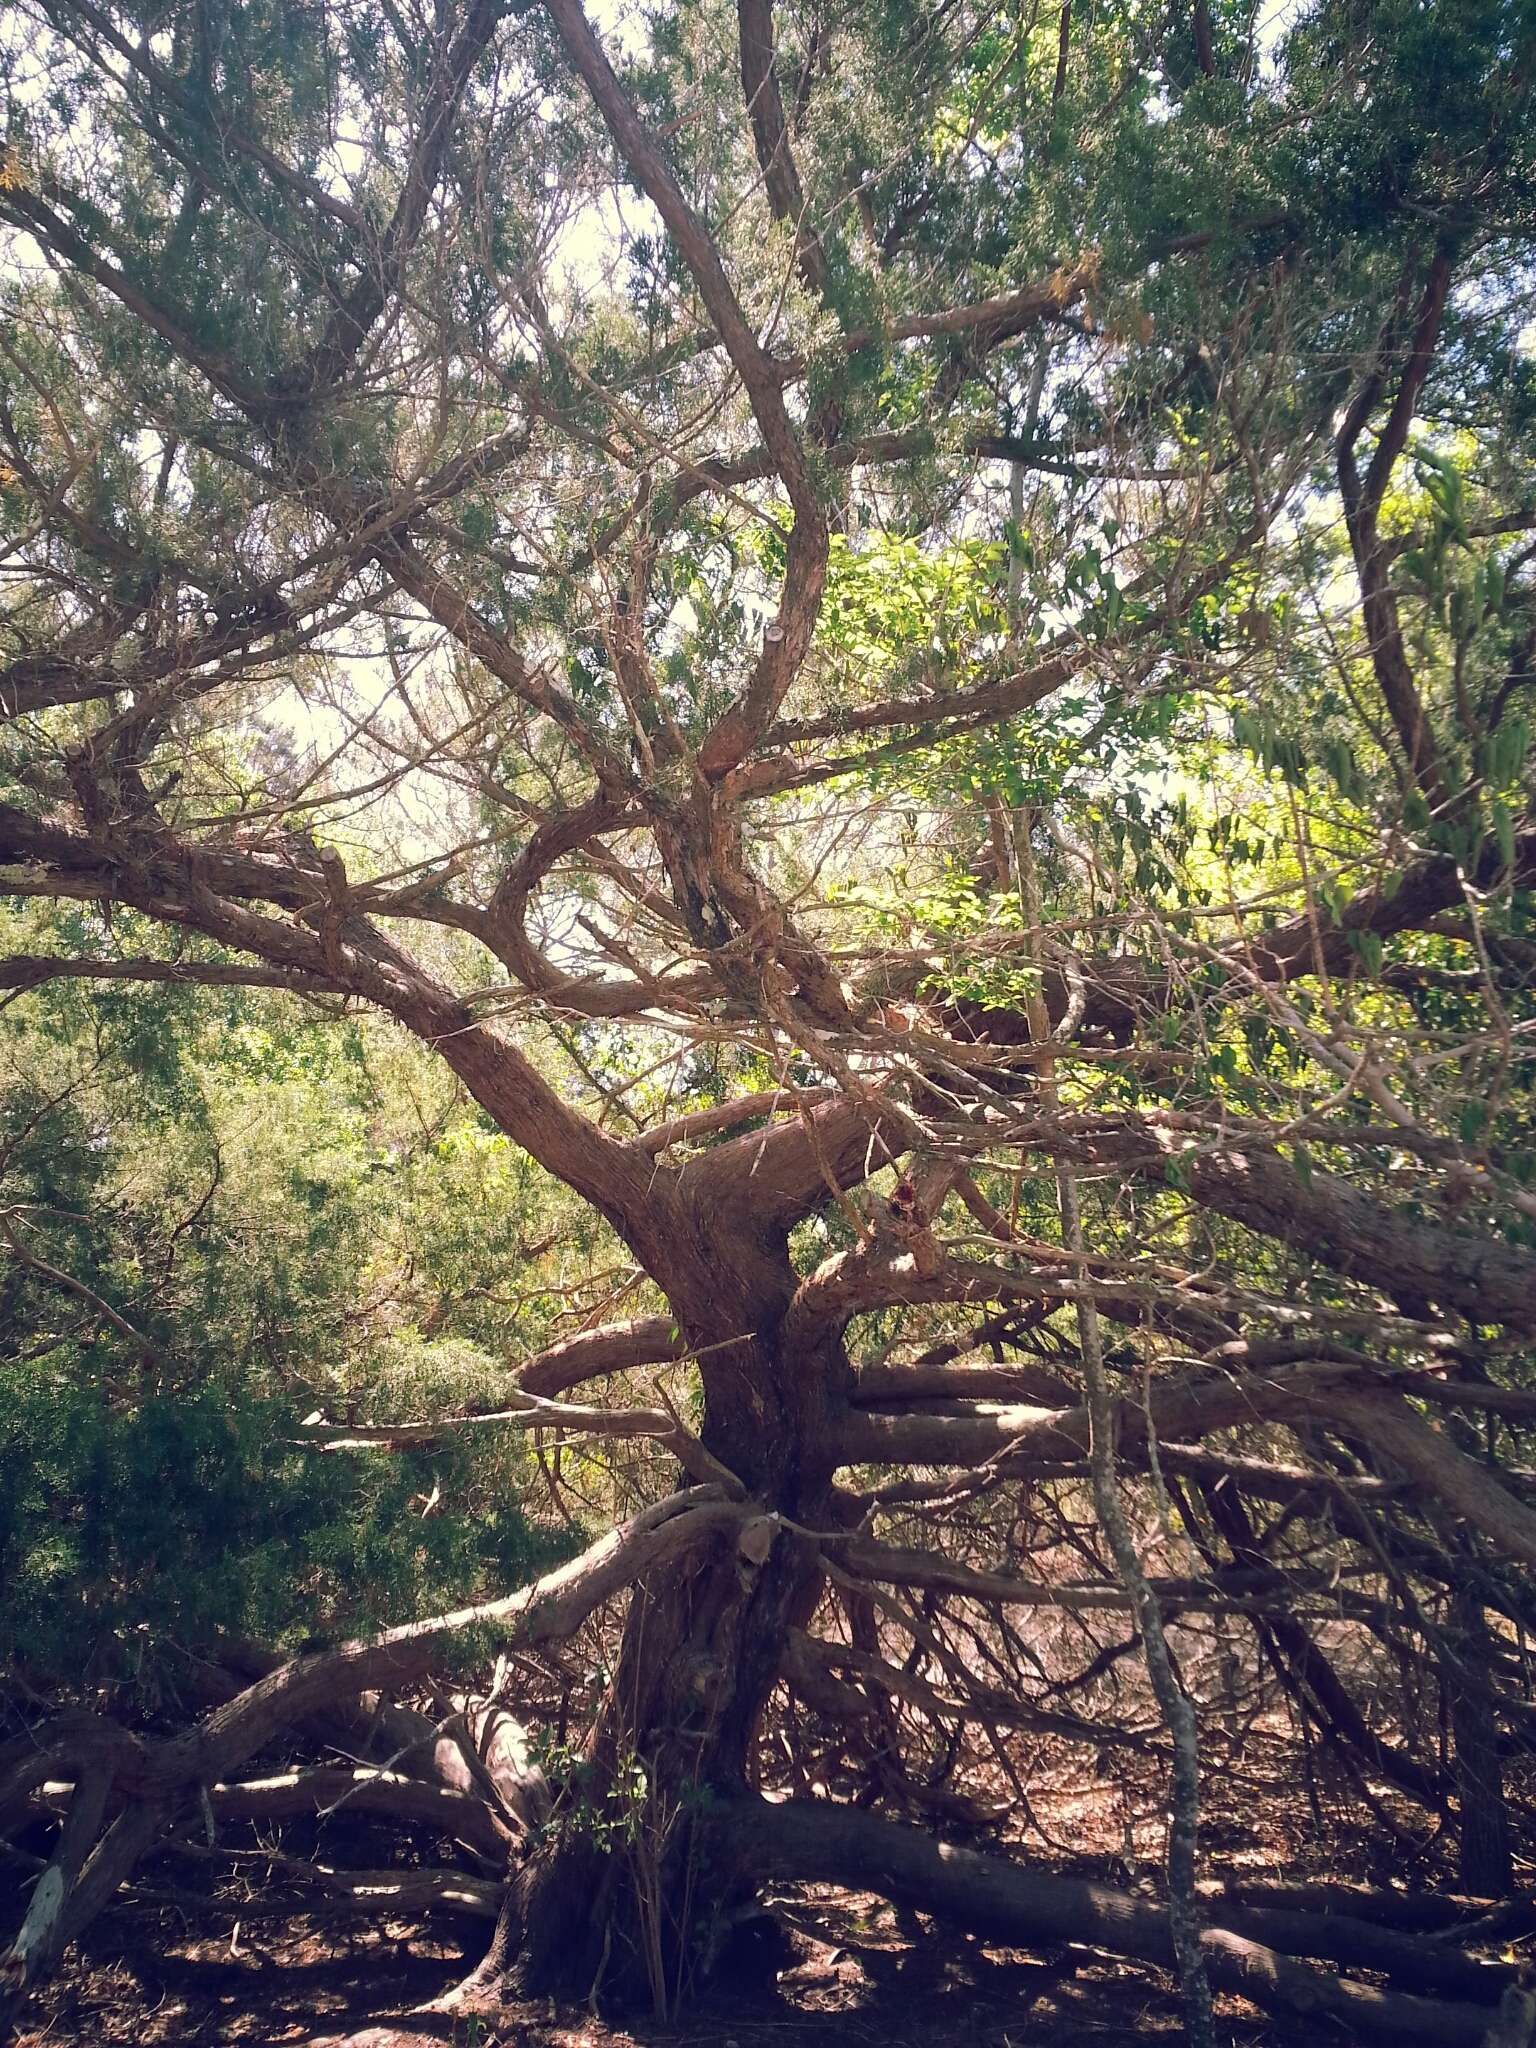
[[890, 601], [233, 1188]]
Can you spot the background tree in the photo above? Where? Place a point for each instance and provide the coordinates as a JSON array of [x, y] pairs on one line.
[[901, 638]]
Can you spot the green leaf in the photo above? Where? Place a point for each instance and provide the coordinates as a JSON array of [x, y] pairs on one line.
[[1504, 832]]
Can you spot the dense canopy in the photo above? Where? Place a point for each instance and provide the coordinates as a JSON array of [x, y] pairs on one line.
[[791, 742]]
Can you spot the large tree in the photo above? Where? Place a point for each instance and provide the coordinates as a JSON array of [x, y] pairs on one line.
[[904, 634]]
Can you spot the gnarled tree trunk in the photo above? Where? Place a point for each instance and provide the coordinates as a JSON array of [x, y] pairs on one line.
[[617, 1894]]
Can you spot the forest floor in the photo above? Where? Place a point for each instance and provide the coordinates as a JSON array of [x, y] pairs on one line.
[[855, 1974], [851, 1971]]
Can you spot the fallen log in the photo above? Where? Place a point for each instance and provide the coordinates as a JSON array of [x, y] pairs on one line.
[[380, 1793], [1409, 1912], [817, 1841], [405, 1893], [1414, 1965]]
